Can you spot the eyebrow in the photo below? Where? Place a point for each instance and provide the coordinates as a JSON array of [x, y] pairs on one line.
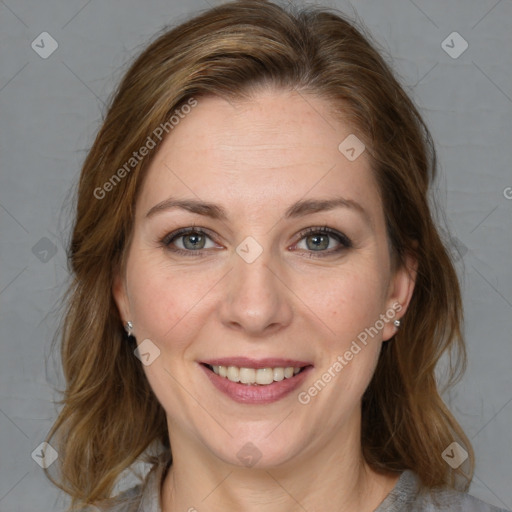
[[299, 209]]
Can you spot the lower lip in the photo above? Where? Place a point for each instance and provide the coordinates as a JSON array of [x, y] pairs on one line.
[[253, 394]]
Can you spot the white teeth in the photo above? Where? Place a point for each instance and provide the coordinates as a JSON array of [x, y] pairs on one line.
[[264, 376], [278, 374], [288, 372], [233, 373], [261, 376], [247, 375]]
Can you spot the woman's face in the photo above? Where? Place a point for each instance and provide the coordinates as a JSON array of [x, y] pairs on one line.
[[268, 277]]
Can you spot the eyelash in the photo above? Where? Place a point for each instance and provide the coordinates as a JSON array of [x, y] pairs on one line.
[[344, 241]]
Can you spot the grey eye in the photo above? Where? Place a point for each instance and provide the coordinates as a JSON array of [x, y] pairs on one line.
[[318, 242], [194, 241]]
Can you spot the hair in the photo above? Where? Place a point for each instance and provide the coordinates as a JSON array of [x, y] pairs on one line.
[[110, 416]]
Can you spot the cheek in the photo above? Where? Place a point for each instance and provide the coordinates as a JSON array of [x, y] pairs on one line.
[[158, 298], [167, 303], [347, 302]]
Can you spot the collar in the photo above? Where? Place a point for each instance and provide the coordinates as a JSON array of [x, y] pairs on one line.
[[151, 493]]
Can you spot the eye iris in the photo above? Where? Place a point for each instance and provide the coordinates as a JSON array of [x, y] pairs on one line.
[[196, 240], [319, 241]]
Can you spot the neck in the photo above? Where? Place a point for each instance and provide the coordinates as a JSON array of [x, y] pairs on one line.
[[329, 477]]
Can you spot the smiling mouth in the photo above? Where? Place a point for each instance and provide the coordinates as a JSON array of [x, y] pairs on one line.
[[256, 376]]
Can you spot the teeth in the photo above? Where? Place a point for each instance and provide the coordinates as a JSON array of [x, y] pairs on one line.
[[264, 376], [247, 375], [278, 374], [288, 372], [233, 374], [261, 376]]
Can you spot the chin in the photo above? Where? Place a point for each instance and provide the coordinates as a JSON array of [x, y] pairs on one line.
[[260, 451]]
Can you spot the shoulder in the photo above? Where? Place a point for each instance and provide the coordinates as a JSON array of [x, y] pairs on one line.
[[144, 496], [127, 501], [407, 496], [450, 500]]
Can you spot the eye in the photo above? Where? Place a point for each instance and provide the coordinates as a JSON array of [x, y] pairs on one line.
[[187, 240], [192, 241], [323, 240]]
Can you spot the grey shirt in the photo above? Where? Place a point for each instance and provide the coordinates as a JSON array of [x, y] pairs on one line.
[[404, 497]]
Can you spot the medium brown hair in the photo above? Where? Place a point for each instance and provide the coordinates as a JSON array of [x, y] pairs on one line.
[[110, 416]]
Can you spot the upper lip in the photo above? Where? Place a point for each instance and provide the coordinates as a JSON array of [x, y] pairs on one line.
[[246, 362]]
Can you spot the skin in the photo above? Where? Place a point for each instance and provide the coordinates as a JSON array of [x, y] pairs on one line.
[[255, 159]]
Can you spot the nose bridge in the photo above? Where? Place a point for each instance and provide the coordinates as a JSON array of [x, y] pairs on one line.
[[256, 299]]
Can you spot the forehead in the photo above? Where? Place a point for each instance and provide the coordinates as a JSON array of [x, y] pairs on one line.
[[278, 147]]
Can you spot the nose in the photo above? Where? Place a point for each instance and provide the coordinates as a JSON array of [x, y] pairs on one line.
[[256, 300]]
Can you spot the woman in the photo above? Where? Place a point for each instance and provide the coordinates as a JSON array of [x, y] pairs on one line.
[[261, 295]]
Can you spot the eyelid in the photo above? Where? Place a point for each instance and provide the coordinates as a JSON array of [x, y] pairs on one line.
[[167, 240], [334, 233], [341, 238], [169, 237]]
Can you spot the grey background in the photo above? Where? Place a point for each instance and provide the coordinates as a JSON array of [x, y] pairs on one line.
[[51, 109]]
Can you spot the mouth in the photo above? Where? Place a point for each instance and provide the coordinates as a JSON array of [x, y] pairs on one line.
[[251, 381], [255, 376]]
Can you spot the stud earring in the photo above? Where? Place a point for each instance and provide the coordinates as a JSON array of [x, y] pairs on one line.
[[397, 323], [128, 326]]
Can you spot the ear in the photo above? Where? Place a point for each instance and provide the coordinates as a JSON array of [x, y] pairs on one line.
[[120, 297], [401, 288]]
